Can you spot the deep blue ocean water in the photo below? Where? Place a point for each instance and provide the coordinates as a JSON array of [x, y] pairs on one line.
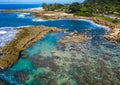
[[95, 61], [19, 6]]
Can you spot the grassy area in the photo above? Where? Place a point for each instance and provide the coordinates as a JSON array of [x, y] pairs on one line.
[[79, 13], [87, 14], [108, 19]]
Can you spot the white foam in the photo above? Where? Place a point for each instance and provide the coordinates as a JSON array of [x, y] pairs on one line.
[[37, 20], [23, 15], [12, 28], [24, 26], [6, 27], [2, 32], [7, 35], [38, 8]]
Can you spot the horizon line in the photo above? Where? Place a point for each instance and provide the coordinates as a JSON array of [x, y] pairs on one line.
[[42, 3]]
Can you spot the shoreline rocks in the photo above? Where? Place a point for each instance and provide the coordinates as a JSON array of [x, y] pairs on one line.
[[75, 38], [0, 51], [25, 38], [114, 35], [114, 32]]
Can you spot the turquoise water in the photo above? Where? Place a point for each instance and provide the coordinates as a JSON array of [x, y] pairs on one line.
[[94, 62]]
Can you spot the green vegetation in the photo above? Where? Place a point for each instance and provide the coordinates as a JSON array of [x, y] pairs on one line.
[[89, 8], [74, 7], [104, 6], [56, 7], [116, 20], [52, 7]]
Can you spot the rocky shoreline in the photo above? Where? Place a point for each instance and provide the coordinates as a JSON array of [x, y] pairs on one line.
[[75, 38], [25, 38], [113, 34], [13, 49]]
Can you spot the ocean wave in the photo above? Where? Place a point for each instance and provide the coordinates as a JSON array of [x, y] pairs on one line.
[[23, 15], [2, 32], [37, 20], [24, 26], [37, 8], [7, 34], [6, 28], [12, 28]]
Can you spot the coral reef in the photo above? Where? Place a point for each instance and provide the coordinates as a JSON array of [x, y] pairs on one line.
[[77, 64], [22, 76]]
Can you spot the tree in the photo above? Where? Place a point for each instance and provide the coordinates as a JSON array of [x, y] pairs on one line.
[[44, 5], [74, 7]]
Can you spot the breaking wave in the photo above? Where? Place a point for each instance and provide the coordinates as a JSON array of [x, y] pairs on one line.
[[23, 15]]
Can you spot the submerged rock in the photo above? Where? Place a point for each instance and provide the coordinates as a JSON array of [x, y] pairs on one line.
[[22, 76], [2, 83], [39, 61], [53, 82]]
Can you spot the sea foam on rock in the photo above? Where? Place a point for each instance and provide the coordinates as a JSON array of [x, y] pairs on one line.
[[6, 35], [3, 32]]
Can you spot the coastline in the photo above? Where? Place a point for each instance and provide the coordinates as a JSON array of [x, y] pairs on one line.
[[114, 29], [24, 38], [60, 44]]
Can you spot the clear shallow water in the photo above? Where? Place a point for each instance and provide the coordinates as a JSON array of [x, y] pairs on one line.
[[94, 62]]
